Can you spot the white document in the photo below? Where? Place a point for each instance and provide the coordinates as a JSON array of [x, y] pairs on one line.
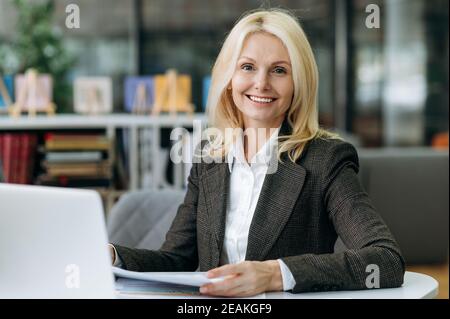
[[182, 278]]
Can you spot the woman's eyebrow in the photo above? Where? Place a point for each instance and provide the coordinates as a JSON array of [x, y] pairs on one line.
[[281, 62], [246, 57], [276, 62]]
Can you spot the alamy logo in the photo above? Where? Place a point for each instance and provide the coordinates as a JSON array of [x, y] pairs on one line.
[[72, 276], [73, 16], [373, 19], [373, 279], [184, 148]]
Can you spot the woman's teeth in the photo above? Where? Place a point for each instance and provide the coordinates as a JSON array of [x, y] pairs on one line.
[[260, 99]]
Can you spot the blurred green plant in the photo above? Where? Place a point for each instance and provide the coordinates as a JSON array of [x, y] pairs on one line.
[[39, 44]]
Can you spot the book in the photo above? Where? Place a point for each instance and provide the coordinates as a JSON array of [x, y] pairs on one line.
[[2, 179], [17, 154], [71, 157], [79, 160], [27, 149], [1, 171], [76, 142], [67, 136], [5, 156], [102, 169]]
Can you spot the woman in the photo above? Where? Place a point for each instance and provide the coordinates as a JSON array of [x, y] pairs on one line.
[[264, 224]]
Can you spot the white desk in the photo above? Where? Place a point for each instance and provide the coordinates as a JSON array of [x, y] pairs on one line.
[[415, 286]]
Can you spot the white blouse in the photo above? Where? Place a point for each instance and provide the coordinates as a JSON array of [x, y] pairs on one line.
[[245, 187]]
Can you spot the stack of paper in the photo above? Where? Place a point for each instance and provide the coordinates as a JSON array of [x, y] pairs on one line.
[[196, 279], [161, 283]]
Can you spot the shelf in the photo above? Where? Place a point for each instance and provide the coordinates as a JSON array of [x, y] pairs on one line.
[[110, 123], [98, 121]]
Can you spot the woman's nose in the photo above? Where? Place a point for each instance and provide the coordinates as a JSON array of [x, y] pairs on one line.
[[262, 81]]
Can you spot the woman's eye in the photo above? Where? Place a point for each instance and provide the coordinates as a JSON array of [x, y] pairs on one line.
[[279, 70], [247, 67]]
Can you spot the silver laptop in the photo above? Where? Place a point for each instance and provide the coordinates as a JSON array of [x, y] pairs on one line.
[[53, 244]]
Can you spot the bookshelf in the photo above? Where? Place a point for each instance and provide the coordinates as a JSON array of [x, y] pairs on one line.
[[111, 124]]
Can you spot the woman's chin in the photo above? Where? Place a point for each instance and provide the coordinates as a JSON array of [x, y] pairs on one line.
[[259, 118]]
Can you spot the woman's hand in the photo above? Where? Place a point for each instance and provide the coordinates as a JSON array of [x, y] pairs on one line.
[[245, 279]]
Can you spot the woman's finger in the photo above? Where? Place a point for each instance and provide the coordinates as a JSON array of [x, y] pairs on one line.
[[222, 286], [230, 269]]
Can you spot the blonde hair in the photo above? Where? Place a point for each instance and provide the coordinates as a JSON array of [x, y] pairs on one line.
[[302, 115]]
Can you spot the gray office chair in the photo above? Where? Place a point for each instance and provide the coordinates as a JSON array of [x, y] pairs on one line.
[[409, 188], [141, 219]]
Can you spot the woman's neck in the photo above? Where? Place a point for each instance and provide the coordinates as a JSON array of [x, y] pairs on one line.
[[256, 136]]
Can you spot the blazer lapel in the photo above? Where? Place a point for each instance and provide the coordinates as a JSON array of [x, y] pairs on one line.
[[216, 184], [276, 202]]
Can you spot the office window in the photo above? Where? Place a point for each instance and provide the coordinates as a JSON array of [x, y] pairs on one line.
[[399, 96]]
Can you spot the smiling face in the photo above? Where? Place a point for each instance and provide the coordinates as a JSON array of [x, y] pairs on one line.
[[262, 85]]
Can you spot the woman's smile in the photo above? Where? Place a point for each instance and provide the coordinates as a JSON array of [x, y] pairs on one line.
[[261, 100]]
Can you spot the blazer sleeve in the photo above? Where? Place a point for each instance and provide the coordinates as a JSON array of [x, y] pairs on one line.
[[371, 248], [179, 251]]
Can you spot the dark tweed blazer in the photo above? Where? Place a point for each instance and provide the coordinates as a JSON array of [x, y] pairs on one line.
[[301, 210]]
